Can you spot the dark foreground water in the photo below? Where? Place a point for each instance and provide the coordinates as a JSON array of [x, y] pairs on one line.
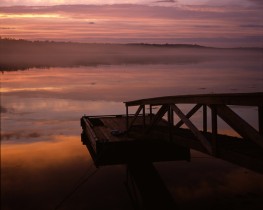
[[45, 166]]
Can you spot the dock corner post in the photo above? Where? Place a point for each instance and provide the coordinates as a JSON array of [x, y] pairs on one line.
[[127, 117], [260, 120], [214, 129]]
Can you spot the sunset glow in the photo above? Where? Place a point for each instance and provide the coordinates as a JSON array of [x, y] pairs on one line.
[[225, 24], [131, 104]]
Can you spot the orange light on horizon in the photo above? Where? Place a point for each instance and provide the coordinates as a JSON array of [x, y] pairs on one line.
[[25, 15]]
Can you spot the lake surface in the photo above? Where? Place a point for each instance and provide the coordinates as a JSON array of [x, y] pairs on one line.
[[45, 166]]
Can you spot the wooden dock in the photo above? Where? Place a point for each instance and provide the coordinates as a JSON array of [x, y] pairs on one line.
[[116, 139], [141, 138], [109, 143]]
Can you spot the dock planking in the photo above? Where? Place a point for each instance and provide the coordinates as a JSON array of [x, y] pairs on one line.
[[108, 141]]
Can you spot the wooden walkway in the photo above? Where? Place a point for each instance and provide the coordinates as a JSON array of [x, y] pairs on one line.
[[246, 151], [118, 139]]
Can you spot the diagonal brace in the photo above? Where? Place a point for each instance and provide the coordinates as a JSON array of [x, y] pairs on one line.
[[239, 125], [161, 112], [189, 114], [193, 129], [135, 116]]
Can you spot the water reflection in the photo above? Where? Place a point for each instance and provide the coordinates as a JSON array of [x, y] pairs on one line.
[[42, 158]]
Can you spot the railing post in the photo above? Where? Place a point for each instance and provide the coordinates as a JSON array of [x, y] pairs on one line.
[[127, 118], [204, 118], [170, 122], [143, 117], [214, 129], [151, 112]]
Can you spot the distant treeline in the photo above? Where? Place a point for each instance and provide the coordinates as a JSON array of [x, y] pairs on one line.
[[23, 54], [27, 43]]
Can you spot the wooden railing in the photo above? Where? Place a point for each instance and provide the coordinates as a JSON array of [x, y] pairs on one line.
[[219, 106]]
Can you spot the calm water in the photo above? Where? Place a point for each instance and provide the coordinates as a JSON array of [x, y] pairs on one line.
[[44, 164]]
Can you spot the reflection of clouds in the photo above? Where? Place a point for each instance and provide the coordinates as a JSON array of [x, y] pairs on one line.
[[47, 169], [238, 186], [40, 175], [4, 90], [3, 109], [6, 110], [102, 90], [42, 154], [121, 83], [210, 183], [18, 135]]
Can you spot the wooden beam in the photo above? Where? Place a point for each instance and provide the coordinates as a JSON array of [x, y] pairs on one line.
[[246, 99], [239, 125], [189, 114], [161, 112], [194, 130], [135, 116]]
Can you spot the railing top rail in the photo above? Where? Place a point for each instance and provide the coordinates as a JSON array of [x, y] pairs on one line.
[[243, 99]]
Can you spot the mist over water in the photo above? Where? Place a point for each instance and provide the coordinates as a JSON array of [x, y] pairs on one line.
[[43, 159]]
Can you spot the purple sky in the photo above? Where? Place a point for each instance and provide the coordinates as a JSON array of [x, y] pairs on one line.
[[225, 23]]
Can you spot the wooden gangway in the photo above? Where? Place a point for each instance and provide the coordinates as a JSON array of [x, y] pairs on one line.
[[245, 150]]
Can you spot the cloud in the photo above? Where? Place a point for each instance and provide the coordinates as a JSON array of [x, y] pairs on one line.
[[130, 22], [251, 25], [165, 1], [258, 2]]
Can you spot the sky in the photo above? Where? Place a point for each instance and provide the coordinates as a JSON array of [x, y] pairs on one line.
[[226, 23]]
